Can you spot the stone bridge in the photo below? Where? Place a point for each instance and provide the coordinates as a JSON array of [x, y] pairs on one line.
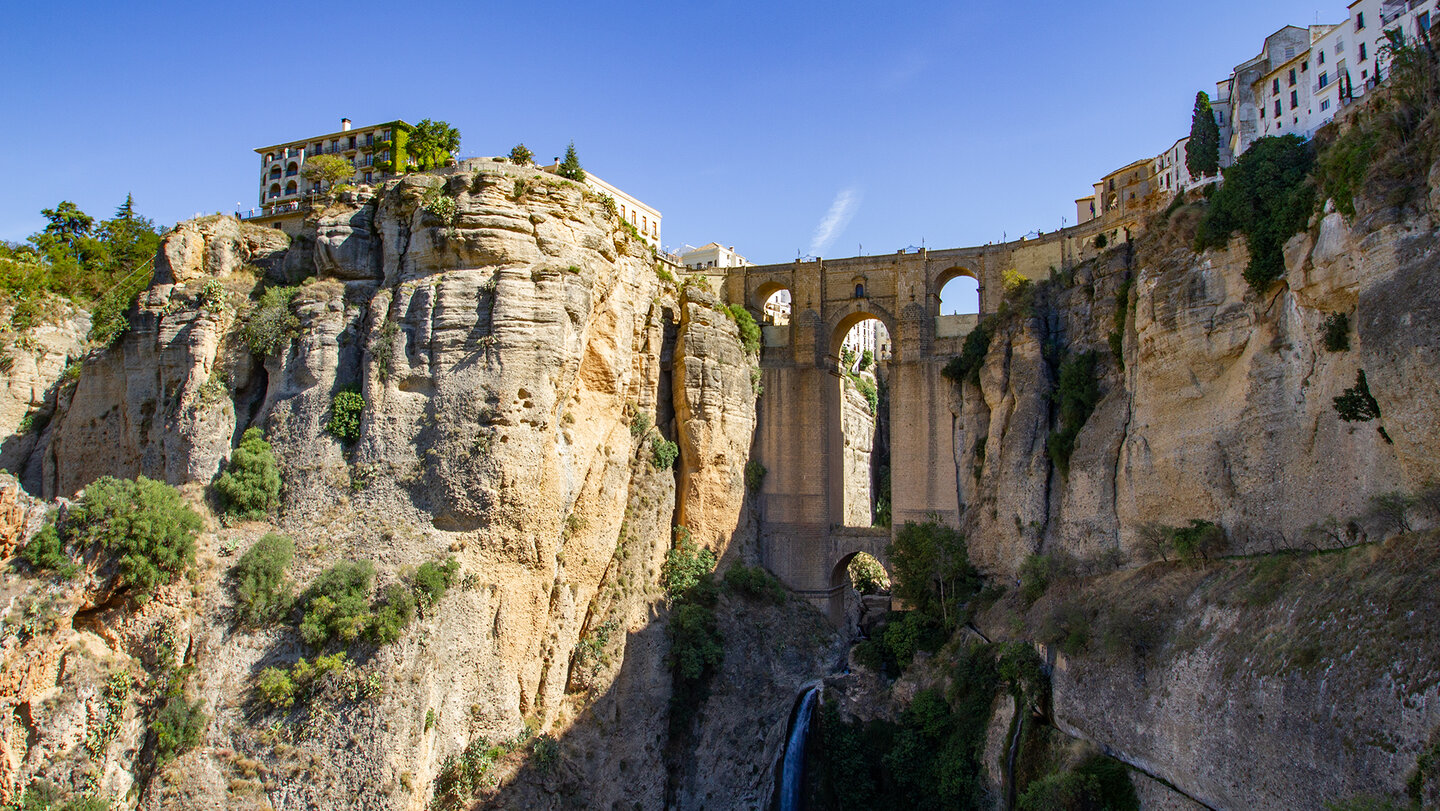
[[798, 437]]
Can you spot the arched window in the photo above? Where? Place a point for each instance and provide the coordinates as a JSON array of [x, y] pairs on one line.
[[290, 188], [274, 190], [292, 170], [275, 172], [859, 290]]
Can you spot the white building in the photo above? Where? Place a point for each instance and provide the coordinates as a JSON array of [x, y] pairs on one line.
[[777, 309], [645, 218], [713, 255], [869, 335], [368, 149]]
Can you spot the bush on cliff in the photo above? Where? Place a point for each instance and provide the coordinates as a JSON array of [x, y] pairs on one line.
[[1266, 196], [1076, 395], [250, 486], [271, 324], [1098, 782], [144, 524], [696, 646], [337, 604], [932, 570], [345, 410], [749, 330], [263, 593], [965, 367]]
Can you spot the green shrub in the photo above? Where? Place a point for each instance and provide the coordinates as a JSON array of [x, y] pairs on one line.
[[755, 583], [264, 594], [932, 570], [271, 324], [337, 603], [143, 524], [966, 365], [46, 552], [250, 486], [1266, 196], [1356, 404], [43, 796], [1343, 164], [694, 641], [1100, 242], [866, 387], [177, 728], [432, 580], [394, 614], [1077, 393], [686, 565], [1337, 332], [521, 155], [867, 359], [663, 453], [1098, 782], [754, 475], [749, 330], [281, 688], [640, 424], [1035, 574], [345, 409], [1198, 540], [545, 753]]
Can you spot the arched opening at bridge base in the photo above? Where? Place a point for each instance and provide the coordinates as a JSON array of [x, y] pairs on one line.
[[863, 422], [859, 593]]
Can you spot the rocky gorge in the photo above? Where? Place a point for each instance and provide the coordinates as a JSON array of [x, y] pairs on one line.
[[553, 414]]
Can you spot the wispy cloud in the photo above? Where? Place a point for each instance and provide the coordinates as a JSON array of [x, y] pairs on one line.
[[839, 215]]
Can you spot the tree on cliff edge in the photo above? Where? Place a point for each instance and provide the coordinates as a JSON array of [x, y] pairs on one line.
[[433, 143], [570, 167], [1202, 154]]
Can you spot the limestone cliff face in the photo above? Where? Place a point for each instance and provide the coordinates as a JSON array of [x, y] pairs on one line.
[[1223, 408], [502, 352], [35, 362], [715, 413]]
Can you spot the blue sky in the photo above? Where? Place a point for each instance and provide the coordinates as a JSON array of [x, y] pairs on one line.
[[751, 124]]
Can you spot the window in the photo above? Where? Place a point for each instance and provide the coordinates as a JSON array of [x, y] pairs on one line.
[[1339, 46], [1304, 66], [1324, 79], [1220, 117], [1360, 21], [1277, 108], [860, 290], [1423, 23], [1362, 52], [1275, 87], [1292, 77], [352, 142], [1324, 105], [1322, 57], [1294, 99], [369, 177]]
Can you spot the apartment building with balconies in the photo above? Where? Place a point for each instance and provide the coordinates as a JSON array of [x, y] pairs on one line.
[[373, 151]]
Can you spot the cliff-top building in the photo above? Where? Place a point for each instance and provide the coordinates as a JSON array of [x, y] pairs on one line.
[[373, 151]]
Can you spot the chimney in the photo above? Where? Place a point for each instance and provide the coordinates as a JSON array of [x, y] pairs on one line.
[[344, 125]]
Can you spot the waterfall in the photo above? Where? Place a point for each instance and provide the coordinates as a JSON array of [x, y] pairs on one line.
[[792, 773]]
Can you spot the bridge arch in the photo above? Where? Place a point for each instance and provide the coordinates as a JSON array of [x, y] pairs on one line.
[[847, 548], [847, 316]]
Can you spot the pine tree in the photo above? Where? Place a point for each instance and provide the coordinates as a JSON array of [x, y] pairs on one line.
[[570, 167], [1202, 154], [126, 211]]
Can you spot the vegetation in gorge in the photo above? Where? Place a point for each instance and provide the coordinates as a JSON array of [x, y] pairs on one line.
[[263, 592], [696, 647], [145, 526], [345, 410], [1267, 197], [271, 324], [1076, 394], [250, 486]]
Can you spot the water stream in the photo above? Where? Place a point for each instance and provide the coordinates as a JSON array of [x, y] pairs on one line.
[[792, 772]]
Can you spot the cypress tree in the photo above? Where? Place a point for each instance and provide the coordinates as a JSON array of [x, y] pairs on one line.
[[1202, 155], [570, 167]]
